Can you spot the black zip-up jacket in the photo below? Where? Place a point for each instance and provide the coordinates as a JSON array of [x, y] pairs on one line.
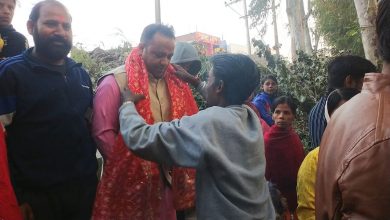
[[49, 141], [14, 42]]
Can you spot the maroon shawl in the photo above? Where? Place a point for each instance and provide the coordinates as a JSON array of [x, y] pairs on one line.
[[284, 154]]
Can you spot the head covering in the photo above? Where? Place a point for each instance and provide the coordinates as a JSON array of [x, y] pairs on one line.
[[184, 52]]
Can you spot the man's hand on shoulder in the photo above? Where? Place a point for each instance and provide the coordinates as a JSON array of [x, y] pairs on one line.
[[182, 74], [129, 96]]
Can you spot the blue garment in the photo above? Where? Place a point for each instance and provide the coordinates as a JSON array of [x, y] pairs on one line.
[[49, 140], [263, 103], [317, 123]]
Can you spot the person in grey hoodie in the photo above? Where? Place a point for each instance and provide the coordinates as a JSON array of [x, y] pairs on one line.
[[222, 142], [186, 56]]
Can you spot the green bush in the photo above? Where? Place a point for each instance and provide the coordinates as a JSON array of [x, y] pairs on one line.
[[98, 61]]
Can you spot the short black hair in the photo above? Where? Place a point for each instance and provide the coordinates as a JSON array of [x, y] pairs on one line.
[[150, 30], [35, 11], [285, 100], [337, 96], [342, 66], [276, 197], [383, 29], [239, 74], [267, 77]]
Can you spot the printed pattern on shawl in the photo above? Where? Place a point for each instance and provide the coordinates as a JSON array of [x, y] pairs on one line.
[[132, 188]]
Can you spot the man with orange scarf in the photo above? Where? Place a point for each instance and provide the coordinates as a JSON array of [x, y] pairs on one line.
[[133, 188]]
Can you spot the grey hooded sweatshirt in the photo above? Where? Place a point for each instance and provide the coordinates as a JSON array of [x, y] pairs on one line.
[[184, 52], [226, 148]]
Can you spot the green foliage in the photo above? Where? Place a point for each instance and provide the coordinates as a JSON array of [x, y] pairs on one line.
[[80, 55], [258, 12], [99, 61], [264, 50], [304, 80], [203, 73], [337, 21], [200, 101]]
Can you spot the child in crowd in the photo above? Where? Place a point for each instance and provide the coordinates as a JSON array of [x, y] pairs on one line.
[[284, 151], [307, 172], [9, 208], [279, 202], [11, 42], [263, 101]]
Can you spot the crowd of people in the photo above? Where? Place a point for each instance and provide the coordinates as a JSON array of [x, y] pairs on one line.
[[240, 158]]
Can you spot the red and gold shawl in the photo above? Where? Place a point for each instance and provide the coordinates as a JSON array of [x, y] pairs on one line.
[[133, 187], [182, 103]]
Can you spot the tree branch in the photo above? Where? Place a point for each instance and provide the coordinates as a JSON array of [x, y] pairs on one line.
[[309, 10]]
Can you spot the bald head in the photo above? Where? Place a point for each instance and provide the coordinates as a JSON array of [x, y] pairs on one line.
[[36, 10]]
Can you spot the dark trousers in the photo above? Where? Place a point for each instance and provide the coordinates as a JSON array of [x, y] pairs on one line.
[[73, 200]]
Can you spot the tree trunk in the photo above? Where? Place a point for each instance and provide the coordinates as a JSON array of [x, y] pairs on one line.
[[300, 36], [317, 37], [308, 46], [276, 36], [366, 12]]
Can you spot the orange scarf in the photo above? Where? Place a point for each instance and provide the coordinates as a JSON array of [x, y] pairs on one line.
[[182, 101]]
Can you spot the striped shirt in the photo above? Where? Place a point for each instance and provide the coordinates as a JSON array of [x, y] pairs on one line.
[[317, 123]]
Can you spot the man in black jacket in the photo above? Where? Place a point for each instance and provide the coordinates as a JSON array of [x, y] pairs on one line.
[[45, 100]]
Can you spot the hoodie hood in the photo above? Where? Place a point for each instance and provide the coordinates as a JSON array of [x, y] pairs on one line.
[[184, 52]]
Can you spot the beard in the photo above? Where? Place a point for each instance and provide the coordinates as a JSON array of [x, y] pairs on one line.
[[52, 48]]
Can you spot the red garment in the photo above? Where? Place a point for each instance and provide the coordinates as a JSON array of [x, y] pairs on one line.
[[265, 127], [144, 189], [9, 209], [284, 154]]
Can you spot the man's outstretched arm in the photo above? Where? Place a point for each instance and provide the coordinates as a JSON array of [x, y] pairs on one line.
[[171, 143]]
